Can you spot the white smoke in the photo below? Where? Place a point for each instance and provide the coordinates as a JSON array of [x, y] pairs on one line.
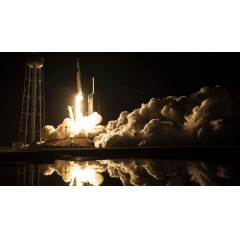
[[91, 128], [209, 116], [60, 132]]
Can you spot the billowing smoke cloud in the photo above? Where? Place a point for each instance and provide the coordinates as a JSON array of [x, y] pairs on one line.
[[67, 128], [141, 172], [207, 117]]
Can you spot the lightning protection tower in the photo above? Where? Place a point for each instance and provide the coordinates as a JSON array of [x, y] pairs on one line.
[[33, 104], [90, 100]]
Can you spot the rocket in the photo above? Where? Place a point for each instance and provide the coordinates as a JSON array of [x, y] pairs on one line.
[[79, 96], [79, 86]]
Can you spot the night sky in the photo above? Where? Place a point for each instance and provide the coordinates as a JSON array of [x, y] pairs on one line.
[[123, 81], [135, 51]]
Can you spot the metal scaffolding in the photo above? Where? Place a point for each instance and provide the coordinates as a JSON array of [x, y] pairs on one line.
[[33, 103]]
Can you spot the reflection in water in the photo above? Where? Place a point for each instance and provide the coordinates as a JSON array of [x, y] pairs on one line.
[[76, 173], [140, 172]]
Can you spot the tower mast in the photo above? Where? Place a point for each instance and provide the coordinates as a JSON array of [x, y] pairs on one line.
[[90, 99]]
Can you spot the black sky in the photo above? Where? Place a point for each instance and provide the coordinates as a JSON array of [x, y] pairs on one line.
[[123, 81]]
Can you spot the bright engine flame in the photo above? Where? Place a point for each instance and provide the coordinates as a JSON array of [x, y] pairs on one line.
[[79, 122]]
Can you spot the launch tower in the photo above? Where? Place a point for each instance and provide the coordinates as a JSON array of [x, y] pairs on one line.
[[90, 100], [33, 104]]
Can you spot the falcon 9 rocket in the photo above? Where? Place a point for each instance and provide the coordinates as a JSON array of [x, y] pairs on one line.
[[79, 97], [79, 86]]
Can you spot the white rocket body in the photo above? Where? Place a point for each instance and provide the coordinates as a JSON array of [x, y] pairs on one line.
[[79, 86], [79, 96]]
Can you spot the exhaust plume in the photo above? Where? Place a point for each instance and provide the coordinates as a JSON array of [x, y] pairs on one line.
[[87, 126]]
